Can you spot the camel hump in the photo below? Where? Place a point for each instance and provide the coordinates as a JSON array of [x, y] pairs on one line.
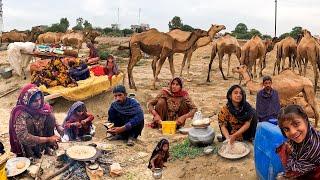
[[179, 35]]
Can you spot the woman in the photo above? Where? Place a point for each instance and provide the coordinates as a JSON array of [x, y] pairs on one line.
[[32, 123], [300, 155], [93, 54], [172, 104], [111, 67], [237, 119], [78, 121]]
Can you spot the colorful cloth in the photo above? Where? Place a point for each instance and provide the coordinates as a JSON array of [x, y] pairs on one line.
[[302, 159], [70, 129], [267, 105], [158, 156], [26, 124], [80, 72], [128, 114]]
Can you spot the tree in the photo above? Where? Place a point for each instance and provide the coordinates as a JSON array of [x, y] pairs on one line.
[[64, 23], [59, 27], [176, 22], [254, 32], [241, 28], [127, 32], [187, 27], [266, 36], [295, 32], [79, 23], [284, 35], [87, 25]]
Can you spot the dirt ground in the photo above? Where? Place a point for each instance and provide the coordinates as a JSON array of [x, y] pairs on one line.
[[209, 97]]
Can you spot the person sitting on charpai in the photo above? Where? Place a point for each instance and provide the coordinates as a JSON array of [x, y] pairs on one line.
[[173, 104], [111, 68], [32, 124], [93, 54], [127, 116]]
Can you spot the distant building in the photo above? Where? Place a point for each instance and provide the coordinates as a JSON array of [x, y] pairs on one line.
[[140, 28], [115, 26]]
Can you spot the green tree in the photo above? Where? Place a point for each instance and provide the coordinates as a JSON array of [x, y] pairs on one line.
[[79, 24], [284, 35], [64, 23], [107, 30], [127, 32], [266, 36], [176, 22], [254, 32], [87, 25], [187, 27], [59, 27], [241, 28], [295, 32]]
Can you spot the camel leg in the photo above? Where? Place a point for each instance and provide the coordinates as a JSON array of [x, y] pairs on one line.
[[171, 65], [189, 62], [220, 66], [309, 95], [305, 67], [316, 75], [213, 54], [255, 69], [161, 61], [229, 57], [183, 63], [154, 65], [135, 57]]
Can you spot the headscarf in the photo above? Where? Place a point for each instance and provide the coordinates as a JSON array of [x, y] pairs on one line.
[[245, 111], [157, 149], [23, 104], [181, 93], [115, 68], [72, 110]]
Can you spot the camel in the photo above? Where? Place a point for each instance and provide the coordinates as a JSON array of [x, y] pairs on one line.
[[224, 45], [255, 49], [160, 45], [13, 36], [203, 41], [49, 38], [308, 50], [287, 47], [288, 84], [76, 38]]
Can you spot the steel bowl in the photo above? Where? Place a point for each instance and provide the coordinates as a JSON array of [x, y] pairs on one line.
[[6, 73], [157, 173]]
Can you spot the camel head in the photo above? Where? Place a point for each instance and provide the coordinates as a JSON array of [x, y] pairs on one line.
[[306, 33], [269, 44], [240, 69], [214, 29], [199, 33]]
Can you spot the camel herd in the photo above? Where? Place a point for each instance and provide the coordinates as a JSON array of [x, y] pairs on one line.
[[292, 88], [70, 38]]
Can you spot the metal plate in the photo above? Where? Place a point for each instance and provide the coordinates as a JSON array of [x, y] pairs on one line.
[[11, 166], [97, 154], [235, 156]]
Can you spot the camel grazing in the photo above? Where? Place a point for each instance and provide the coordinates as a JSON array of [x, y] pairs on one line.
[[160, 45], [287, 47], [308, 50], [255, 49], [203, 41], [224, 45], [288, 84]]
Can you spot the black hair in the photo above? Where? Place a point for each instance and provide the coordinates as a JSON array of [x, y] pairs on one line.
[[266, 78]]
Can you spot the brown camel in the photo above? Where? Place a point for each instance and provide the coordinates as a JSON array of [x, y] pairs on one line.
[[49, 38], [252, 50], [224, 45], [160, 45], [308, 50], [203, 41], [287, 47], [13, 36], [288, 84]]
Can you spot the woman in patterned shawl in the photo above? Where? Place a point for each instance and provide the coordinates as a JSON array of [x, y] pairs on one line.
[[172, 104]]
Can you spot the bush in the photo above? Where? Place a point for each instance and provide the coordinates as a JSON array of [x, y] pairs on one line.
[[103, 54], [184, 149]]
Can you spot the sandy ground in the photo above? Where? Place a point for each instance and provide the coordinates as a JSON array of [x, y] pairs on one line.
[[209, 97]]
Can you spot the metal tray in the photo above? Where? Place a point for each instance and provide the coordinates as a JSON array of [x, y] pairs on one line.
[[237, 156], [11, 166]]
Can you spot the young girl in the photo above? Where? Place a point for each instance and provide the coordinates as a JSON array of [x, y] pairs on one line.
[[159, 155], [111, 67], [300, 155], [78, 121]]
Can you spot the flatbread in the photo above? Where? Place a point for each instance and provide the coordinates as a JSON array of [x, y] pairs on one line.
[[234, 151], [200, 122], [20, 165], [81, 152]]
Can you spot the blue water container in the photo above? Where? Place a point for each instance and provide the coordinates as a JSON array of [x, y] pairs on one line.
[[267, 162]]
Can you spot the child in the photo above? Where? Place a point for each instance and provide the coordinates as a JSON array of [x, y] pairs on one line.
[[111, 67], [159, 155], [78, 121], [300, 155]]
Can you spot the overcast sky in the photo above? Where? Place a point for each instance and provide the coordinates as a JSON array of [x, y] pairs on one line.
[[258, 14]]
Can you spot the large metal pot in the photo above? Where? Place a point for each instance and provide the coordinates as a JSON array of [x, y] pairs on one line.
[[6, 73], [201, 136]]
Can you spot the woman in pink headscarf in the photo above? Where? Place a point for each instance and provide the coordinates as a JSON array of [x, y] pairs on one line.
[[32, 124]]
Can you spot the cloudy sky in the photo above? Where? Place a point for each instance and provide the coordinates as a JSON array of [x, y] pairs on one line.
[[258, 14]]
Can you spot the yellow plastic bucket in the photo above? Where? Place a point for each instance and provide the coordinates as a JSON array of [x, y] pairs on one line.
[[3, 173], [168, 127]]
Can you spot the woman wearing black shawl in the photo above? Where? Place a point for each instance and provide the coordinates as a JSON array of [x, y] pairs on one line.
[[127, 116], [159, 155], [237, 119]]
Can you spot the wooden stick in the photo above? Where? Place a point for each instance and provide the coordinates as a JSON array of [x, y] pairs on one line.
[[52, 175], [9, 91]]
